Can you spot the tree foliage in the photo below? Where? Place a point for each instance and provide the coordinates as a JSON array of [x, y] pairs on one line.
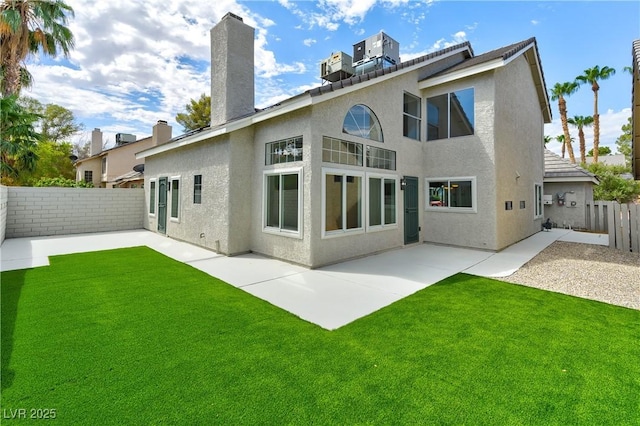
[[18, 139], [57, 123], [197, 115], [624, 142], [592, 76], [63, 182], [581, 122], [53, 162], [602, 150], [558, 93], [28, 27], [613, 186]]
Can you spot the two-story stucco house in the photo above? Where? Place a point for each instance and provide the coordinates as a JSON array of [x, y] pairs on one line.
[[114, 167], [446, 148]]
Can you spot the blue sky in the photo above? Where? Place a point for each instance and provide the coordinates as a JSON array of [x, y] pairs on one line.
[[137, 62]]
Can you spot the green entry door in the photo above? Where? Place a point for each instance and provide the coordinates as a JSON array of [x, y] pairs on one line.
[[411, 226], [162, 205]]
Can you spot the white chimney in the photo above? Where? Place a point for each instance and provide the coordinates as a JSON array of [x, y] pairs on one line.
[[161, 133], [232, 74], [96, 142]]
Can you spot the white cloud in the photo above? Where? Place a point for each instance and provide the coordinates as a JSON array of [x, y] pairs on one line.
[[309, 41], [138, 62], [534, 22]]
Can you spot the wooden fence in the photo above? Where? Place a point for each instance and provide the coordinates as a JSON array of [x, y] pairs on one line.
[[620, 221]]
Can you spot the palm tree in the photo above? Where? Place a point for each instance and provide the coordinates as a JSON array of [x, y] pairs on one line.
[[560, 138], [591, 76], [29, 26], [18, 138], [580, 122], [558, 92]]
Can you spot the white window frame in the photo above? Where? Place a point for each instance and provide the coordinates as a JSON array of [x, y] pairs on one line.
[[280, 231], [448, 209], [538, 201], [180, 188], [448, 93], [153, 188], [342, 232], [382, 226], [417, 118]]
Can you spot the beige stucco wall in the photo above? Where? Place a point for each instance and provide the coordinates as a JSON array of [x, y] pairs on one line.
[[519, 136], [568, 215], [120, 160], [385, 99], [283, 246], [206, 224], [464, 156]]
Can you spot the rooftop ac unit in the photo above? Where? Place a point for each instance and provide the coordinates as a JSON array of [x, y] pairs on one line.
[[336, 67], [123, 138]]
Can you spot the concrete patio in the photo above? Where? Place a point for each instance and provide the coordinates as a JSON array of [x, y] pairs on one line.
[[331, 296]]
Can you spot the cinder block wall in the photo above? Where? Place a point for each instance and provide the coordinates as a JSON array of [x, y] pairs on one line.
[[33, 212], [4, 194]]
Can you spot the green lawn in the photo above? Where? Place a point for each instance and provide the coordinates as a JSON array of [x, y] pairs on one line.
[[132, 337]]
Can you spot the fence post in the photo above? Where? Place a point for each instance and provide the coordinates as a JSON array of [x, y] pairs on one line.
[[634, 222], [624, 227], [611, 223]]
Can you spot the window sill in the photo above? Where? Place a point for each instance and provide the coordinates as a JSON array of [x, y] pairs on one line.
[[451, 209], [341, 233], [283, 233], [380, 228]]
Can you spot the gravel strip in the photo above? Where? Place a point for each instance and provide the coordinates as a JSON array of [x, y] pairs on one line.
[[584, 270]]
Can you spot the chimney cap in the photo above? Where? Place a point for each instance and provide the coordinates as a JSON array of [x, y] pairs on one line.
[[232, 15], [162, 121]]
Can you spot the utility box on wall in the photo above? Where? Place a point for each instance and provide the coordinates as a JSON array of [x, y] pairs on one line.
[[547, 199]]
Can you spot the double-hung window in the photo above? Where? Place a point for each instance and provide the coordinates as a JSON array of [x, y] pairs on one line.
[[343, 201], [382, 200], [455, 194], [175, 198], [450, 115], [88, 176], [411, 117], [283, 201], [538, 201], [197, 189]]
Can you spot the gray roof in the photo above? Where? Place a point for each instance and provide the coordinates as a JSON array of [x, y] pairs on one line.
[[557, 169]]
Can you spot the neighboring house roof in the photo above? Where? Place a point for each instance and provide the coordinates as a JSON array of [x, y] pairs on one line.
[[128, 177], [557, 169], [469, 66], [609, 160], [106, 151]]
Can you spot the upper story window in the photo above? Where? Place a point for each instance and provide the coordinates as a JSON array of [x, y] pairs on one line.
[[104, 165], [284, 151], [450, 115], [411, 117], [362, 122]]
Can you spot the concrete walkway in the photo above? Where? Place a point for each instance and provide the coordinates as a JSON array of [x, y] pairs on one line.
[[329, 297]]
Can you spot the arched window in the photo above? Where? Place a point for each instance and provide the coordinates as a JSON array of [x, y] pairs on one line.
[[362, 122]]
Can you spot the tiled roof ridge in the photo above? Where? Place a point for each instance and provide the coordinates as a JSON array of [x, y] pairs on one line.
[[565, 164]]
